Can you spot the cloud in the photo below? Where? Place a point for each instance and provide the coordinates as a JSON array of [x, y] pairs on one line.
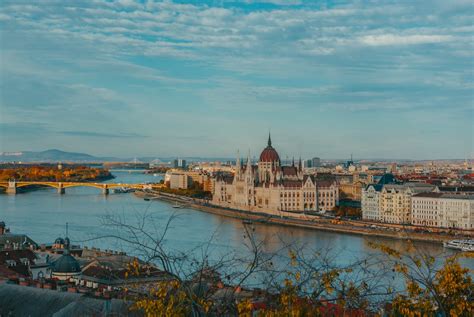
[[103, 135], [88, 67], [393, 39]]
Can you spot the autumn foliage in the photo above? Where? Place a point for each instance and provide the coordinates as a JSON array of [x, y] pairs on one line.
[[49, 173]]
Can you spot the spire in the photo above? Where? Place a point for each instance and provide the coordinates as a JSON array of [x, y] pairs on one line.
[[293, 162], [248, 169], [237, 164], [237, 161], [249, 161], [269, 139], [67, 242], [300, 165]]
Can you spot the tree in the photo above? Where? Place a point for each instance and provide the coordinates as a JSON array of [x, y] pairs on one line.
[[431, 291], [304, 282]]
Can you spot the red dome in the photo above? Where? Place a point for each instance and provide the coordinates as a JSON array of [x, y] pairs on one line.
[[269, 154]]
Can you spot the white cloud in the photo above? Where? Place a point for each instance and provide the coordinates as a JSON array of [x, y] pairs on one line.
[[394, 39]]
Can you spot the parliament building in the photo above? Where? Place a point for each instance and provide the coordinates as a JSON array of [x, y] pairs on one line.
[[270, 187]]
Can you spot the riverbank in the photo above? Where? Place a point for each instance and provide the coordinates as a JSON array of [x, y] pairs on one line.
[[309, 222]]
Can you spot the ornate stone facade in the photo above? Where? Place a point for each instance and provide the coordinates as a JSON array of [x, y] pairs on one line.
[[271, 187]]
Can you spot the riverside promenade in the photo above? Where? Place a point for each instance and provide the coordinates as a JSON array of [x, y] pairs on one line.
[[314, 222]]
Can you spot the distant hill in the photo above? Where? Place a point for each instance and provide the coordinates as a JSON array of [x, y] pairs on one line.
[[55, 155], [52, 155]]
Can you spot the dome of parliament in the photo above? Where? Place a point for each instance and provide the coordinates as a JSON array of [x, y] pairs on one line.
[[269, 154]]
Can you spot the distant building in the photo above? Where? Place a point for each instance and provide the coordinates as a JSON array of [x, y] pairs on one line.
[[66, 266], [370, 198], [328, 195], [179, 163], [178, 180], [316, 162], [395, 201], [112, 273], [14, 241], [443, 210]]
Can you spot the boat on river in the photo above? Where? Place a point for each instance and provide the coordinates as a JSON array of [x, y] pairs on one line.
[[123, 190], [176, 205], [463, 245]]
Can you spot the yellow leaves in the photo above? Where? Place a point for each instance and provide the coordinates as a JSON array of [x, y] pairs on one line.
[[297, 276], [292, 256], [451, 292], [328, 278], [167, 298], [401, 268], [244, 308]]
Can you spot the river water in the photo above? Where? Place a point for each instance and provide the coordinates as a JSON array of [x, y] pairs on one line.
[[42, 214]]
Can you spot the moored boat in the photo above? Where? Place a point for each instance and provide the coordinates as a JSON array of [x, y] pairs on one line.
[[176, 205], [463, 245]]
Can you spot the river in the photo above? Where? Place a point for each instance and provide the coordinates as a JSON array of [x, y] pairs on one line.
[[42, 214]]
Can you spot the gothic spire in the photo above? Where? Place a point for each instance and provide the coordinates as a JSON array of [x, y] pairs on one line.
[[269, 139], [248, 169], [237, 163]]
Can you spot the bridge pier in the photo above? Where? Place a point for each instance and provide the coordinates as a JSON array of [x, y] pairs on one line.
[[61, 189], [11, 189]]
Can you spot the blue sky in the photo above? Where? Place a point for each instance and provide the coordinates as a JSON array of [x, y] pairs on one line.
[[385, 79]]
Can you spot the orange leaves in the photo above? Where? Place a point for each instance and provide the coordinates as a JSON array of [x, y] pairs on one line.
[[52, 173]]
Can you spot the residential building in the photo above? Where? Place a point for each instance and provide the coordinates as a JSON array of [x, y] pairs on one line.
[[443, 210], [178, 180], [14, 241], [328, 195], [370, 198], [395, 201]]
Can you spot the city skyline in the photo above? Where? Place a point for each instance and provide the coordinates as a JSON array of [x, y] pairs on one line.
[[377, 79]]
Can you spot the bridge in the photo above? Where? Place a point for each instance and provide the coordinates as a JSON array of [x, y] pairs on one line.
[[12, 186]]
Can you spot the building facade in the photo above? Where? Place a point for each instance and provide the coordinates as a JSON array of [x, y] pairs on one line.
[[395, 201], [443, 210], [271, 187], [370, 203]]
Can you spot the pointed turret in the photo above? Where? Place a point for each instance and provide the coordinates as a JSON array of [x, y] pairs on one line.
[[248, 169], [249, 162], [237, 164], [300, 165], [269, 139]]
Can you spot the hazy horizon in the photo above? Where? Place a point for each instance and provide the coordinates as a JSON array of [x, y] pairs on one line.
[[378, 79]]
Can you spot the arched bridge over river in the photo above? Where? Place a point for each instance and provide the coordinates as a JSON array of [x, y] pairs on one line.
[[12, 186]]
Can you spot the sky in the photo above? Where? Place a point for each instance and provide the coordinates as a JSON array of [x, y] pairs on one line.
[[379, 79]]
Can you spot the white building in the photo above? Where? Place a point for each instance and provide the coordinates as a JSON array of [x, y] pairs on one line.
[[370, 202], [177, 180], [443, 210], [370, 197]]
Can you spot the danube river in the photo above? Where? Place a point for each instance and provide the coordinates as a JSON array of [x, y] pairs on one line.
[[42, 214]]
